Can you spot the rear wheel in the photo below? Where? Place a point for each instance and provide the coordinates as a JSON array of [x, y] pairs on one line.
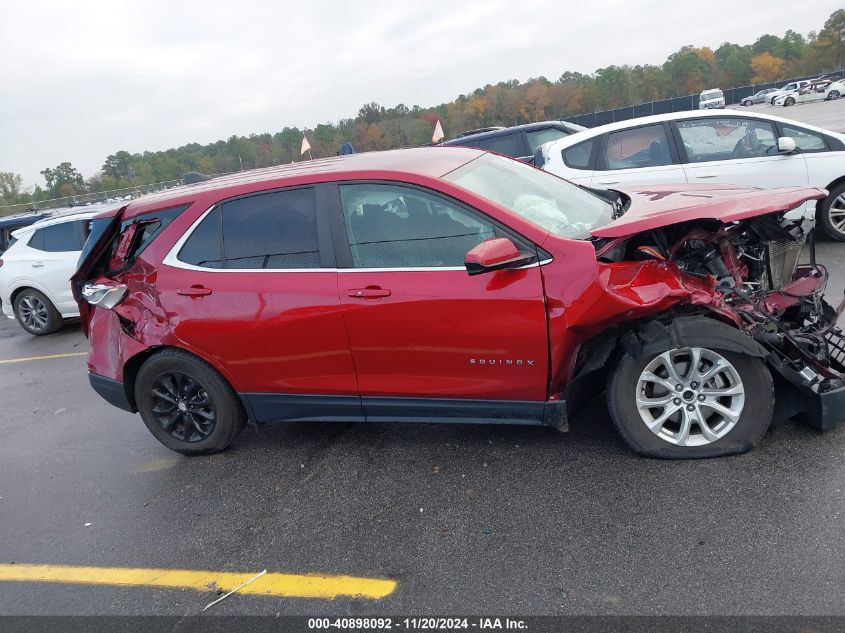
[[789, 101], [691, 402], [833, 95], [36, 313], [187, 405], [831, 214]]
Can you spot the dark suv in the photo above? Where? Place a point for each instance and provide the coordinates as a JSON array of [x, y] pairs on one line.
[[520, 141], [449, 284]]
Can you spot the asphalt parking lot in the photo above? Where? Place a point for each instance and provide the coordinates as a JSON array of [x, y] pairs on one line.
[[825, 114], [463, 519]]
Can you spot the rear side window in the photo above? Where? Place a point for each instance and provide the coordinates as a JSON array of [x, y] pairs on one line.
[[578, 156], [507, 144], [60, 238], [268, 231], [272, 230], [640, 147]]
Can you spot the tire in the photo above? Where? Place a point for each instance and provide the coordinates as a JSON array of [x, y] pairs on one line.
[[752, 409], [206, 414], [36, 313], [831, 214], [789, 101], [747, 103], [833, 95]]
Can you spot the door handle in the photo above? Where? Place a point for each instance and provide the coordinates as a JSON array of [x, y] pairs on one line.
[[194, 291], [607, 181], [706, 174], [371, 292], [38, 265]]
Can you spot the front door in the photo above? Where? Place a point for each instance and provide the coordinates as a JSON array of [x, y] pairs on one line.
[[738, 151], [419, 326]]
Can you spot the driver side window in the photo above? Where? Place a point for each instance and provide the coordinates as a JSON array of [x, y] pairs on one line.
[[725, 139], [390, 226]]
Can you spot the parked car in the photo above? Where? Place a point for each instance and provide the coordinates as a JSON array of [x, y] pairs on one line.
[[454, 285], [820, 90], [757, 97], [749, 149], [792, 86], [35, 271], [13, 223], [520, 141], [711, 99]]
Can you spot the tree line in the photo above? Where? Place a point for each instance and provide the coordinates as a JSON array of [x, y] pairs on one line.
[[687, 71]]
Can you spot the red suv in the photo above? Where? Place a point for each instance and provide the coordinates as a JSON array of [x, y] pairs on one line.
[[454, 285]]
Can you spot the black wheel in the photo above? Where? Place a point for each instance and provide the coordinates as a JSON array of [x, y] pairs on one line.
[[187, 405], [789, 101], [831, 215], [833, 95], [36, 313], [691, 402]]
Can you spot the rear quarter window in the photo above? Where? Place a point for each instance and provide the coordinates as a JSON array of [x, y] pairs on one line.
[[507, 144], [579, 156]]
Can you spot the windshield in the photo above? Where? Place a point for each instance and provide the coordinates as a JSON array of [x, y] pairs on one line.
[[542, 198], [707, 96]]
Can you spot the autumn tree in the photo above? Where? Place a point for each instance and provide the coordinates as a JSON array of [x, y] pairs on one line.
[[766, 67]]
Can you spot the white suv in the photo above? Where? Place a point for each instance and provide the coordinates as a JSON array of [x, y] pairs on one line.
[[708, 146], [35, 271]]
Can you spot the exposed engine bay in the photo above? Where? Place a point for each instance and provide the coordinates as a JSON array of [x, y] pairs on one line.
[[758, 285]]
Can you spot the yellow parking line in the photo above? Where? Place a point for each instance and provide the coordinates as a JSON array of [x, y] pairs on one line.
[[47, 357], [271, 584]]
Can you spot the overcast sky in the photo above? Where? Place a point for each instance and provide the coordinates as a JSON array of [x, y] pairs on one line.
[[84, 79]]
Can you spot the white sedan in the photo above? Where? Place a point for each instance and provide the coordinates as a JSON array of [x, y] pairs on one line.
[[748, 149], [815, 91], [35, 272]]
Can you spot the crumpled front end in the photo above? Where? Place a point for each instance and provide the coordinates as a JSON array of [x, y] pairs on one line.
[[746, 273]]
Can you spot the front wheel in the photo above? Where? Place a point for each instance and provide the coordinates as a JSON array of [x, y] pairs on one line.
[[833, 95], [831, 214], [691, 402], [36, 313], [789, 101], [746, 103], [187, 405]]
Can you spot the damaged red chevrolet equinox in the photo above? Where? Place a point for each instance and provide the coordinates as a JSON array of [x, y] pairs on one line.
[[454, 285]]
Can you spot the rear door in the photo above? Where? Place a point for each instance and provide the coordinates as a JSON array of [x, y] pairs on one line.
[[641, 155], [253, 286], [419, 326], [51, 257]]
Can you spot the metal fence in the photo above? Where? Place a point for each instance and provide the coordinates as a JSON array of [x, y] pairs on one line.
[[733, 96]]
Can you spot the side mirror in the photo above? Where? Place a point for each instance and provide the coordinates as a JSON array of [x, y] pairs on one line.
[[786, 145], [497, 253]]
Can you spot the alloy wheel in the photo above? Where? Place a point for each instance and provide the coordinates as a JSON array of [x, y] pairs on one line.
[[836, 213], [182, 407], [690, 396], [833, 95], [33, 313]]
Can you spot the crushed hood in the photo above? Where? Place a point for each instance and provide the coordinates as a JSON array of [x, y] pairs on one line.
[[662, 205]]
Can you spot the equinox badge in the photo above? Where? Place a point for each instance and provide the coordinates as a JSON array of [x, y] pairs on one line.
[[500, 361]]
